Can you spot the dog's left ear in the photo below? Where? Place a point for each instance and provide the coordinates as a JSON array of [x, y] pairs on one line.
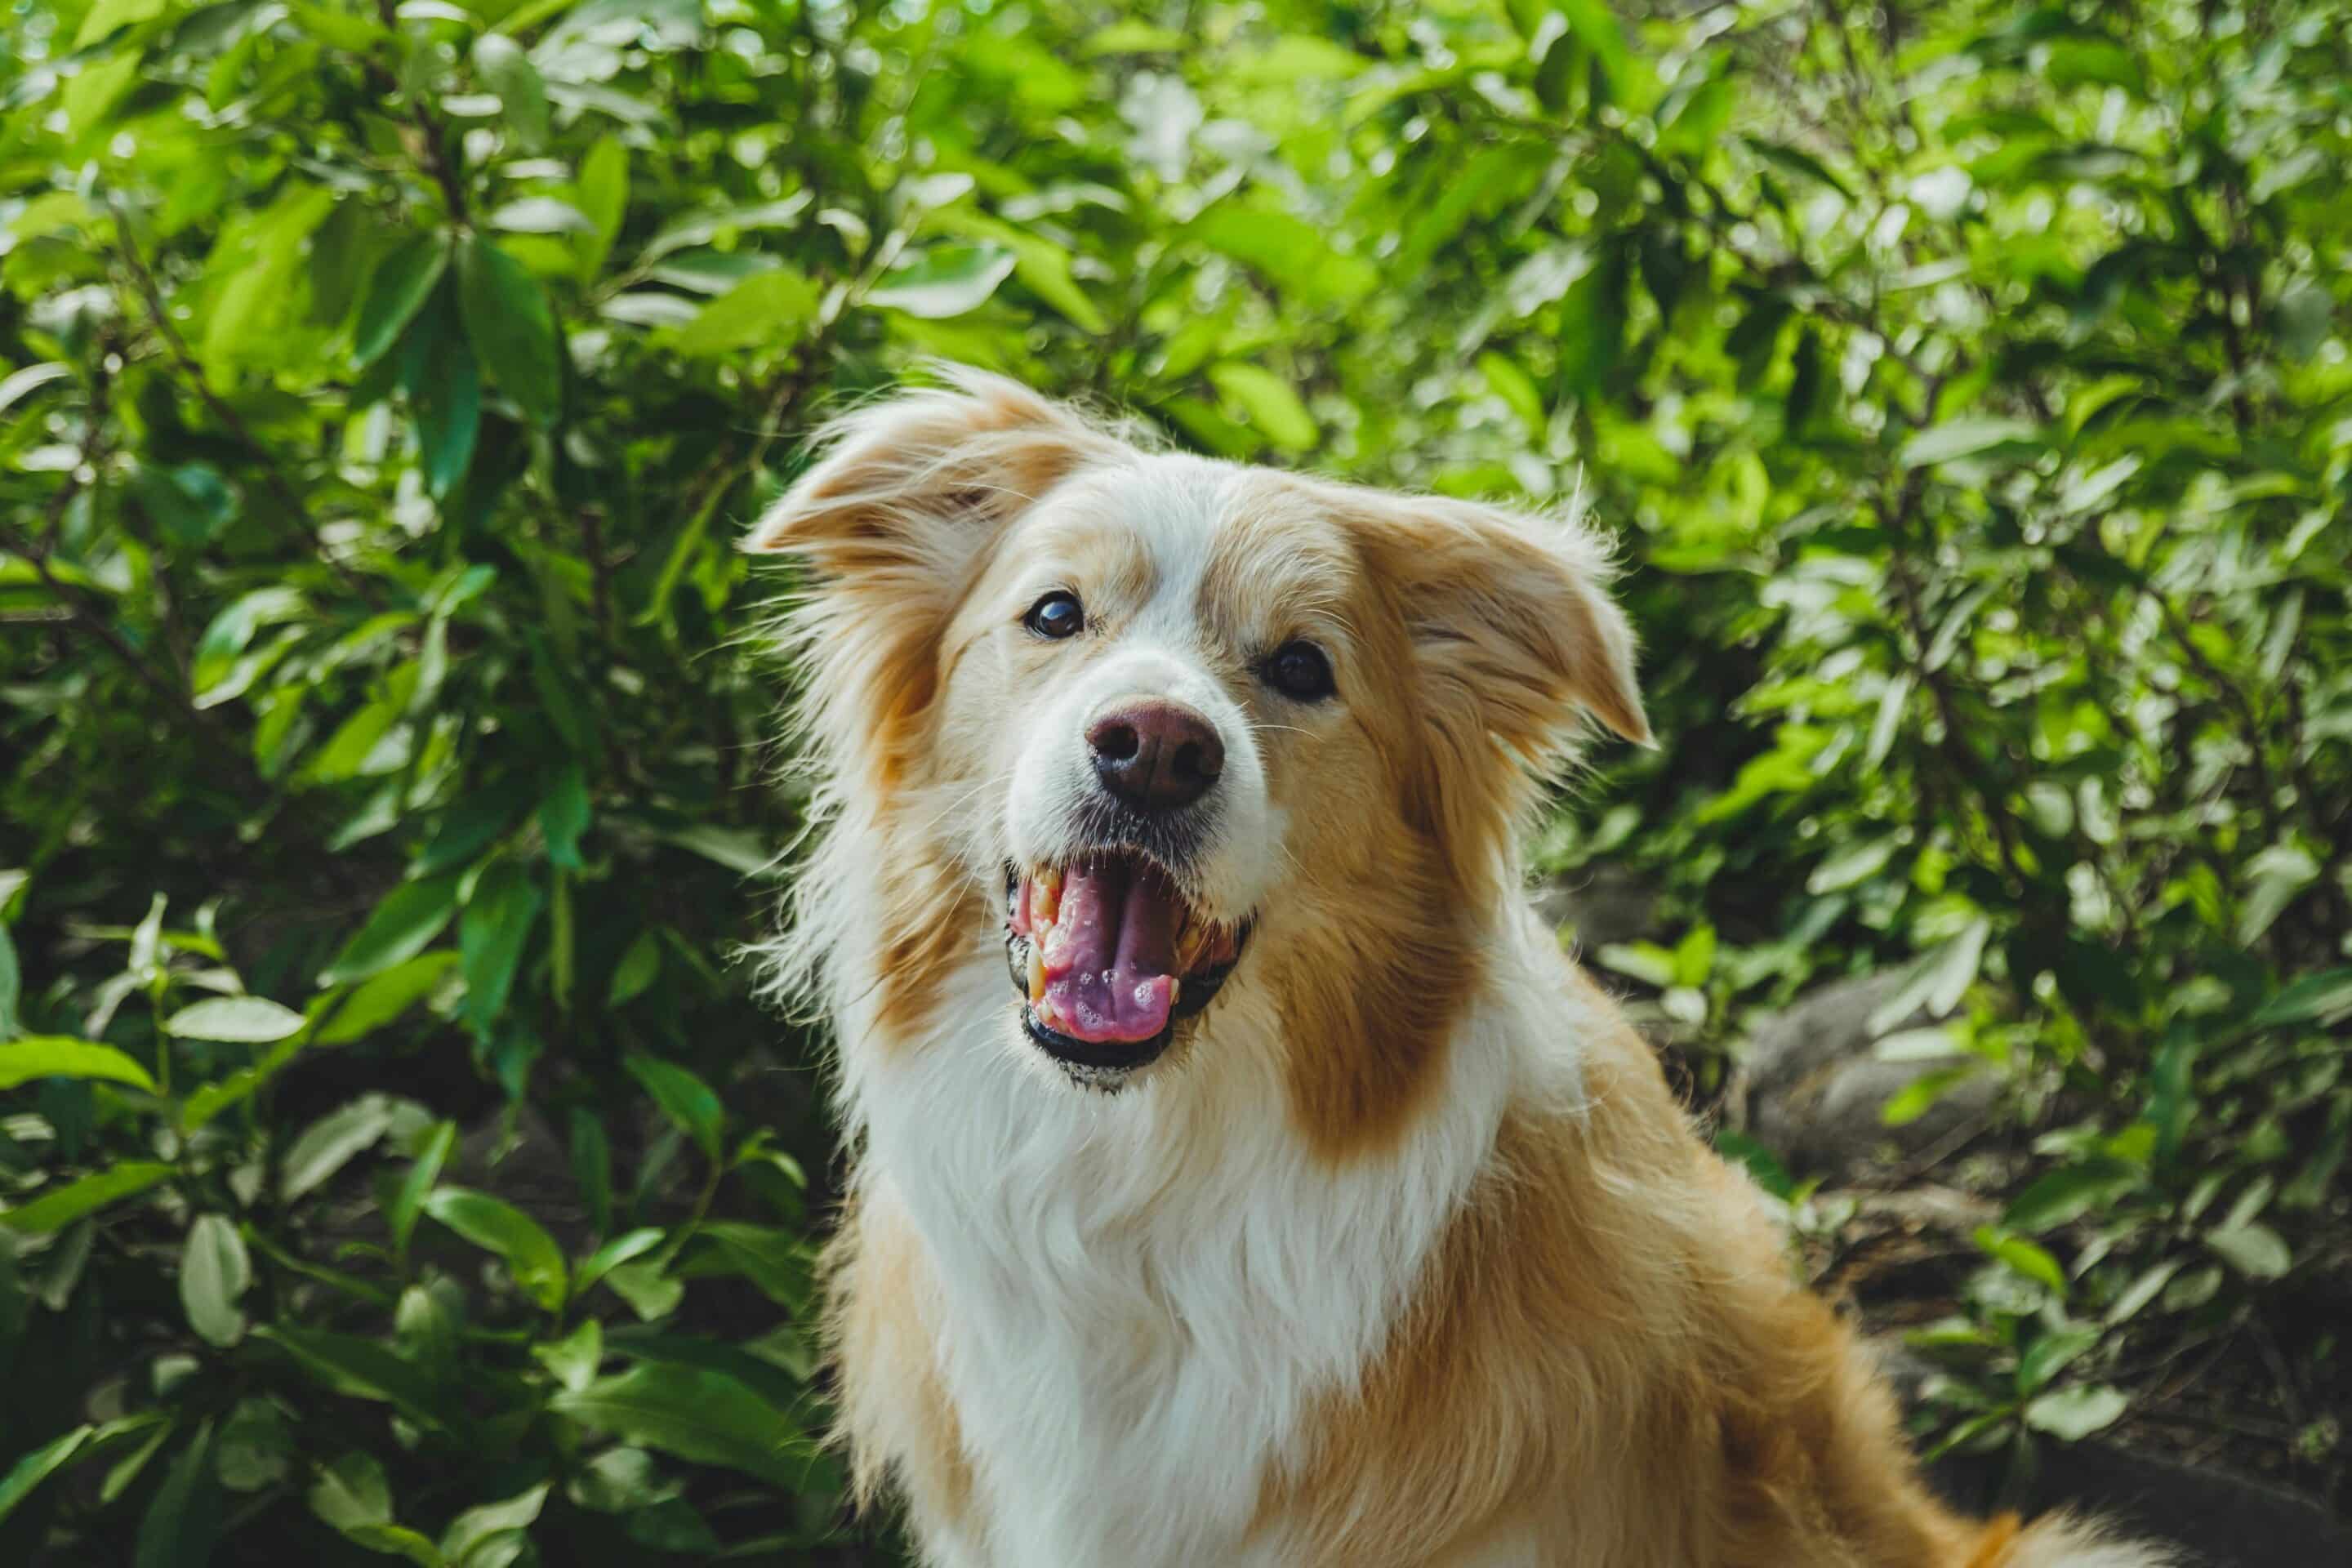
[[911, 488], [1511, 620]]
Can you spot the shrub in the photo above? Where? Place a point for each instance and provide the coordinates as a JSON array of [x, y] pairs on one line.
[[391, 1161]]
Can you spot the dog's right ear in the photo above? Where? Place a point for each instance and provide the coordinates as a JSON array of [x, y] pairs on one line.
[[911, 490]]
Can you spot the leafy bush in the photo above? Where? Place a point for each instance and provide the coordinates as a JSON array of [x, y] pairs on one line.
[[392, 1159]]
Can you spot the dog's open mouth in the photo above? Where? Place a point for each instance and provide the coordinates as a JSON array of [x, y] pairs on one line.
[[1109, 956]]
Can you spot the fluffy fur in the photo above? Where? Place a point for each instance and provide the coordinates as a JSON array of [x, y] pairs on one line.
[[1403, 1255]]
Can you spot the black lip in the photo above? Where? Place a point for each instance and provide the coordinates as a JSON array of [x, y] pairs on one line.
[[1096, 1056]]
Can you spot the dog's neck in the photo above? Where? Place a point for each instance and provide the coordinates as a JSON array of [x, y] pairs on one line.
[[1145, 1292]]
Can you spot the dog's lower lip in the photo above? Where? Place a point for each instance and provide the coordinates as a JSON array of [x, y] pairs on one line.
[[1104, 1055]]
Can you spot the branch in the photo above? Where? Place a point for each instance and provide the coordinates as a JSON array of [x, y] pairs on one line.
[[433, 136], [79, 614], [152, 296]]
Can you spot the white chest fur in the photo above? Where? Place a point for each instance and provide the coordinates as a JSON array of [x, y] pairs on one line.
[[1144, 1294]]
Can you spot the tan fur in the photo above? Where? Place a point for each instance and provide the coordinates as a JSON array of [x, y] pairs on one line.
[[876, 1287], [1608, 1354], [1610, 1350]]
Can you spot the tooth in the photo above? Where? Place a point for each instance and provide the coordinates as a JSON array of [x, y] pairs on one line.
[[1045, 895], [1036, 973], [1175, 989]]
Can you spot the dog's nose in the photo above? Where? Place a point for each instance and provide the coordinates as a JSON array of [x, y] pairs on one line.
[[1156, 756]]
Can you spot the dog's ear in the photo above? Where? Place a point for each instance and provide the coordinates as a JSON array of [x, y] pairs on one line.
[[907, 497], [911, 488], [1510, 619]]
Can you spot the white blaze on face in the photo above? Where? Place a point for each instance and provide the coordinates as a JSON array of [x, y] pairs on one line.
[[1161, 651]]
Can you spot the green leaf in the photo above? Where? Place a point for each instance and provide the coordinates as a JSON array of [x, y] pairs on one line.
[[541, 215], [601, 194], [737, 849], [474, 823], [2053, 1353], [650, 1292], [382, 998], [701, 229], [946, 280], [639, 967], [2274, 877], [1918, 1097], [2071, 1414], [511, 326], [109, 14], [61, 1206], [766, 311], [573, 1359], [31, 1470], [1294, 254], [693, 1413], [1939, 979], [2068, 1193], [473, 1538], [183, 1521], [408, 1201], [1268, 403], [1967, 439], [237, 1088], [1514, 385], [244, 1020], [2025, 1256], [591, 1153], [563, 813], [531, 1254], [2143, 1291], [352, 1493], [2254, 1250], [32, 378], [1592, 321], [214, 1272], [1797, 160], [491, 941], [393, 1541], [443, 384], [363, 1370], [684, 1099], [57, 1056], [12, 986], [506, 69], [1852, 866], [614, 1253], [329, 1144], [402, 926], [256, 1450], [396, 292]]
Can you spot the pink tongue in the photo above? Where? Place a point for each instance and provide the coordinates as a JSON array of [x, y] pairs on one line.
[[1110, 960]]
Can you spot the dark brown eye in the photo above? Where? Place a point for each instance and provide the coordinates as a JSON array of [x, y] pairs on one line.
[[1056, 615], [1300, 672]]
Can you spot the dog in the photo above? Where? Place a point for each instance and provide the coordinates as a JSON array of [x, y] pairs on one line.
[[1298, 1202]]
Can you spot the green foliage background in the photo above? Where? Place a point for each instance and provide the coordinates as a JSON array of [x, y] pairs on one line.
[[391, 1161]]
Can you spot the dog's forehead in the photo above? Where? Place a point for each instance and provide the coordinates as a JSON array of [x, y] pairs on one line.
[[1229, 549]]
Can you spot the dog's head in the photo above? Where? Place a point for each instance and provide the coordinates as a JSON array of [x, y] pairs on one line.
[[1192, 725]]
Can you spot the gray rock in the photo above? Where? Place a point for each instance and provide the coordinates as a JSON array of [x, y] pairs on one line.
[[1815, 1093], [1599, 904]]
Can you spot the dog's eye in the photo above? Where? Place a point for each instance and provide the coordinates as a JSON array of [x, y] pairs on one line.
[[1298, 670], [1058, 614]]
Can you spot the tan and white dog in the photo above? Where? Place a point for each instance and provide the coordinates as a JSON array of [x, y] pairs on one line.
[[1297, 1202]]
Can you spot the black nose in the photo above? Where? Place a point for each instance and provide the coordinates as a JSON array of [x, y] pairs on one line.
[[1156, 756]]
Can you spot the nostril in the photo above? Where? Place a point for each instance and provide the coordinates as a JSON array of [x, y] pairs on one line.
[[1192, 761], [1116, 743]]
